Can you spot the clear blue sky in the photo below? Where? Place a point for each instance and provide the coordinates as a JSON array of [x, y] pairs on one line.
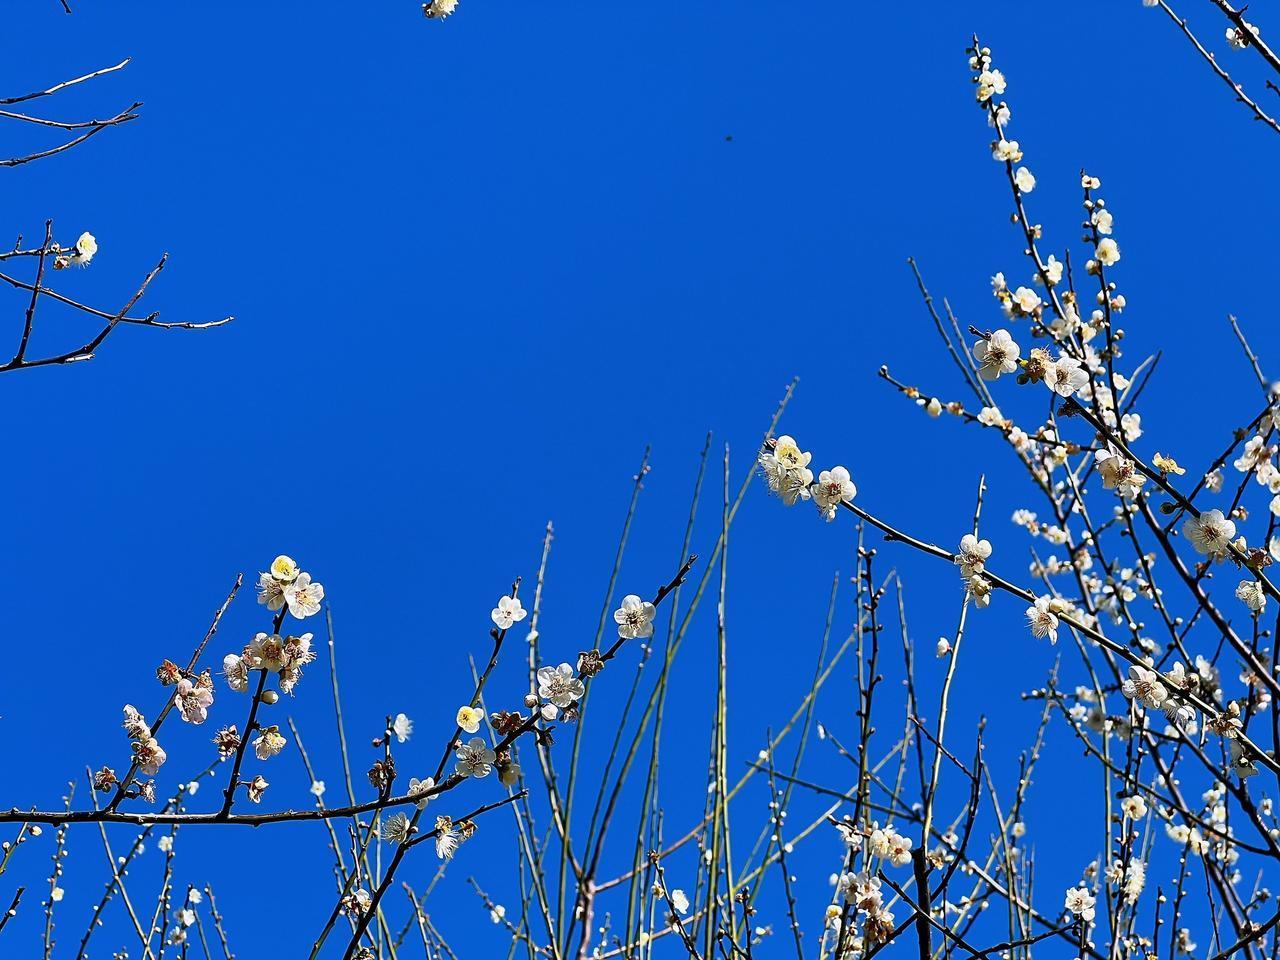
[[477, 266]]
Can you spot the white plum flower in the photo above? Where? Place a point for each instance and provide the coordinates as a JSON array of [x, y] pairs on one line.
[[1242, 764], [447, 838], [269, 743], [833, 487], [634, 618], [270, 592], [1210, 533], [421, 788], [474, 759], [996, 354], [560, 687], [1145, 686], [402, 727], [439, 9], [991, 417], [1107, 252], [973, 555], [1025, 180], [1134, 807], [86, 249], [303, 596], [786, 470], [1065, 376], [990, 83], [1043, 619], [1255, 453], [1080, 903], [394, 829], [979, 589], [1027, 300], [284, 569], [1251, 594], [1006, 151], [1119, 473], [469, 718], [508, 611], [1240, 38], [194, 699]]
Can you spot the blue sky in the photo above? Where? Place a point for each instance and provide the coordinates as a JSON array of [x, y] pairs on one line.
[[478, 266]]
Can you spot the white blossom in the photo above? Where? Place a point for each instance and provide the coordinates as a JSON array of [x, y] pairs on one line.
[[786, 470], [1080, 903], [560, 687], [508, 611], [1145, 686], [1065, 376], [474, 758], [1042, 619], [973, 555], [833, 487], [1210, 533], [634, 618], [1251, 594], [469, 718], [996, 355]]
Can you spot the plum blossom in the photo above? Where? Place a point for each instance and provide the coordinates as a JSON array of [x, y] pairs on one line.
[[560, 687], [1242, 764], [256, 788], [979, 589], [996, 355], [1043, 619], [421, 788], [890, 845], [973, 555], [833, 487], [990, 83], [634, 618], [269, 743], [1065, 376], [786, 470], [1025, 180], [395, 829], [194, 699], [508, 611], [439, 9], [1107, 252], [1134, 807], [303, 596], [469, 718], [474, 759], [1210, 533], [1119, 473], [1006, 151], [1145, 686], [1240, 38], [85, 249], [1080, 903], [1027, 300], [1251, 594], [448, 838]]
